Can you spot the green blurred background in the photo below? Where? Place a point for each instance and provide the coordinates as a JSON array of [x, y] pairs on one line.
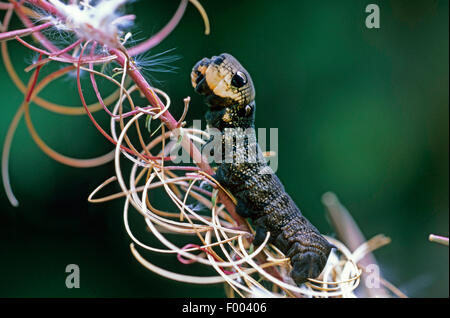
[[360, 112]]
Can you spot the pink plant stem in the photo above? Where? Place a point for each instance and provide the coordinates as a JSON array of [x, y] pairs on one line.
[[94, 85], [67, 49], [187, 261], [184, 168], [137, 109], [31, 47], [190, 261], [5, 36], [33, 84], [146, 89], [99, 128], [6, 20], [95, 59], [5, 6], [100, 99]]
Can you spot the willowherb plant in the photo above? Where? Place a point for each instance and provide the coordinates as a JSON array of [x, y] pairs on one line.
[[220, 239]]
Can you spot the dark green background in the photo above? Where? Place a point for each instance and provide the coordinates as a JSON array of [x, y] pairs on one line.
[[360, 112]]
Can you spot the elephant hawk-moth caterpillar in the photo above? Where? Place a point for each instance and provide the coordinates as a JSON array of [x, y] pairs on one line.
[[229, 92]]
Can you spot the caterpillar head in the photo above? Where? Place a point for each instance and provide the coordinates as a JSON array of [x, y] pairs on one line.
[[223, 81]]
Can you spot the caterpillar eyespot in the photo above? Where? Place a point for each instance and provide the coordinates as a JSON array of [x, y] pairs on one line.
[[239, 79]]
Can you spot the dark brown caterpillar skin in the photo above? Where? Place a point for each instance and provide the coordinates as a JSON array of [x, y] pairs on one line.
[[229, 93]]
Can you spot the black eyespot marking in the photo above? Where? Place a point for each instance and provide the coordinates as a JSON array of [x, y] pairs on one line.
[[239, 79], [218, 60]]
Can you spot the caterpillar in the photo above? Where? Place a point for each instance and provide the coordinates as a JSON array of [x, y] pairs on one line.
[[229, 93]]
